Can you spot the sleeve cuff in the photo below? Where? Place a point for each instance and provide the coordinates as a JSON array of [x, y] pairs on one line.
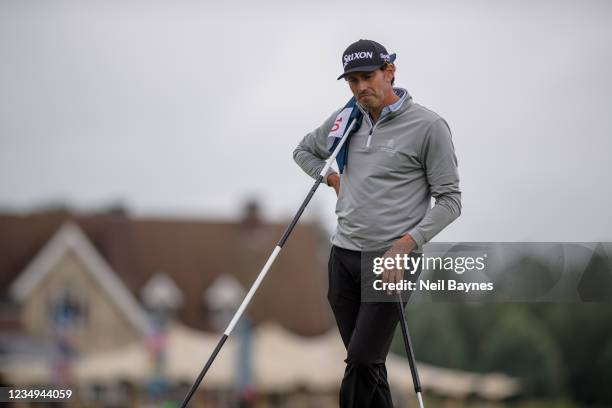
[[329, 171], [418, 238]]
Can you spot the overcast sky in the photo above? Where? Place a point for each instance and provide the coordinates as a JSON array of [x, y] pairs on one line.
[[186, 108]]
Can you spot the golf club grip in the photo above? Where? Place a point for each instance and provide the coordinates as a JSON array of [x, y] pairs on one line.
[[409, 351], [297, 216], [212, 357]]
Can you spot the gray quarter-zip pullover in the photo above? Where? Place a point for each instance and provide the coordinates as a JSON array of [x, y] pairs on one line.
[[393, 169]]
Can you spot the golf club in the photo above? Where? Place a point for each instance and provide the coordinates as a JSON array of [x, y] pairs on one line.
[[266, 267], [409, 351]]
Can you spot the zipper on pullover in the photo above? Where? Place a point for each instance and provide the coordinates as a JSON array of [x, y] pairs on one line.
[[372, 127], [369, 138]]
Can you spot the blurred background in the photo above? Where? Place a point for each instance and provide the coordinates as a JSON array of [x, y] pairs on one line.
[[146, 173]]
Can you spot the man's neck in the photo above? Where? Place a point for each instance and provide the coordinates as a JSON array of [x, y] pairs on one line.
[[389, 100]]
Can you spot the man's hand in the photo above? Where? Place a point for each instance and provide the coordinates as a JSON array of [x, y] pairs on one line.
[[333, 180], [403, 246]]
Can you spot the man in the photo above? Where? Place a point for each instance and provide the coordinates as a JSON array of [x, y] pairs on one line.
[[400, 156]]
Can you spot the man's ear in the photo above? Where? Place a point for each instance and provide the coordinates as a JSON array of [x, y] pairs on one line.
[[390, 72]]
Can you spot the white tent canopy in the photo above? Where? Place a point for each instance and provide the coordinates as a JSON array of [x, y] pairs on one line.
[[281, 361]]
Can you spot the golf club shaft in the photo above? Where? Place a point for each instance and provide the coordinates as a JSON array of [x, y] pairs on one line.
[[409, 351], [266, 267]]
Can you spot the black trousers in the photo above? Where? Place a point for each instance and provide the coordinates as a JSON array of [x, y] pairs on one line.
[[366, 329]]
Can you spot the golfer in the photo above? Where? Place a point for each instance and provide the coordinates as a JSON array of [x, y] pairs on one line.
[[397, 157]]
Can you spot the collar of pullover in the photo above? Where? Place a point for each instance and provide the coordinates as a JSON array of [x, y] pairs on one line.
[[394, 107]]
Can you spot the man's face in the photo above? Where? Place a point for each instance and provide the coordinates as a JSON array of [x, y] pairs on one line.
[[371, 89]]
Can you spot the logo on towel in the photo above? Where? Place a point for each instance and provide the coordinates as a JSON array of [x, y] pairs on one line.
[[337, 124], [340, 123]]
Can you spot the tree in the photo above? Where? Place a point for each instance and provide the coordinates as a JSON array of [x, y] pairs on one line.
[[519, 346]]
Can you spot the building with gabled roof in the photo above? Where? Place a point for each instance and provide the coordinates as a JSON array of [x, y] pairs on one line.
[[49, 256]]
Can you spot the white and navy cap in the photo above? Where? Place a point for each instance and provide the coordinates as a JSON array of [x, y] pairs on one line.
[[365, 56]]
